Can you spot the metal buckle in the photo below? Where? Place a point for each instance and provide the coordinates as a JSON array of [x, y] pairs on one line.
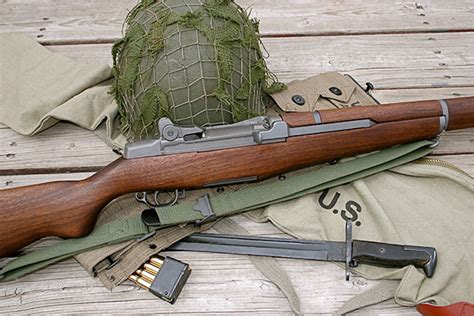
[[203, 205], [106, 264]]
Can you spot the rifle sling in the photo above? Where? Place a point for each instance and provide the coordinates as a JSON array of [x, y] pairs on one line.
[[293, 187], [107, 234], [222, 205]]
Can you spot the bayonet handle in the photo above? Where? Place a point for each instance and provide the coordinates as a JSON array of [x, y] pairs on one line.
[[390, 255]]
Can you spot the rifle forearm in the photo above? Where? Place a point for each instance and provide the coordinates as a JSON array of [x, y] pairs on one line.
[[460, 113]]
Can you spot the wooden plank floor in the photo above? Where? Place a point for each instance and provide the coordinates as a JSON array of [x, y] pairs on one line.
[[408, 50]]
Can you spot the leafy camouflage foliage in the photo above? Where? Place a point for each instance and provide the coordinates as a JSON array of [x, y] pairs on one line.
[[196, 63]]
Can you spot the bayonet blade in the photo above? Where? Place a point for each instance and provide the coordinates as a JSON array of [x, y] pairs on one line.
[[263, 246], [368, 252]]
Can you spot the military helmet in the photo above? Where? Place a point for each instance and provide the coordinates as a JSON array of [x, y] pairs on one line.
[[196, 62]]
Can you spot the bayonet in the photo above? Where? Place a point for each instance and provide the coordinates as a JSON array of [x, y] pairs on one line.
[[351, 252]]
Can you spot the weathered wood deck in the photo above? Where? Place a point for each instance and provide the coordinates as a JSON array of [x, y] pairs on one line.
[[408, 50]]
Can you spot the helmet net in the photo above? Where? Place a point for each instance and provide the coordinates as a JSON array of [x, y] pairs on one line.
[[197, 62]]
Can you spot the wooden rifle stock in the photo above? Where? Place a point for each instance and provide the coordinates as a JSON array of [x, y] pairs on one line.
[[70, 208]]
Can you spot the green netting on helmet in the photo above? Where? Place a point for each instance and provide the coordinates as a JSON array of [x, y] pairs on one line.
[[196, 62]]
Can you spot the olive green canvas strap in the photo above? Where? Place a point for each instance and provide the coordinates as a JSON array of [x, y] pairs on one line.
[[297, 186], [223, 205], [110, 233]]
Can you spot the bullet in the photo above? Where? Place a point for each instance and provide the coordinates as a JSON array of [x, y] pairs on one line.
[[139, 281], [146, 275], [157, 262], [151, 268]]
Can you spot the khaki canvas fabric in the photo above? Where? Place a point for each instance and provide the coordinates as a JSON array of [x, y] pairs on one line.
[[317, 94], [130, 255], [44, 88], [426, 203]]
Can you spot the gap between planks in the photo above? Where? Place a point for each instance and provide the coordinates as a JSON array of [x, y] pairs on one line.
[[270, 35], [101, 21], [388, 61]]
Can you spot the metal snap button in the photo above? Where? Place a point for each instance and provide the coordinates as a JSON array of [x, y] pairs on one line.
[[298, 99], [335, 90]]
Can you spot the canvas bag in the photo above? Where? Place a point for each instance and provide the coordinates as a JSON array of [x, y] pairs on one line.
[[426, 203]]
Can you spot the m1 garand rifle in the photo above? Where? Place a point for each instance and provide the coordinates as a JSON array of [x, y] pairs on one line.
[[193, 157]]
